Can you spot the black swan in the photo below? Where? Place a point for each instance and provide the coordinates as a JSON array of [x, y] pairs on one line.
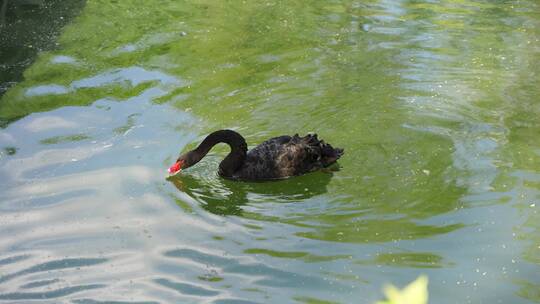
[[276, 158]]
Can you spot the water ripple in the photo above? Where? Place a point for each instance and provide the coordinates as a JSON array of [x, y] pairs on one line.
[[267, 276], [62, 292], [186, 288], [54, 265]]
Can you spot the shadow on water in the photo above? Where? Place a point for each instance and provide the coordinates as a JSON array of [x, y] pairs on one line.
[[28, 27], [360, 214], [225, 197]]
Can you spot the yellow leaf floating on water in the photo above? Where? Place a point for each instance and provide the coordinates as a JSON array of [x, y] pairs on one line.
[[414, 293]]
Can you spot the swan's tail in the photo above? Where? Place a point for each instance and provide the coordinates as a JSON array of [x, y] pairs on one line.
[[320, 150]]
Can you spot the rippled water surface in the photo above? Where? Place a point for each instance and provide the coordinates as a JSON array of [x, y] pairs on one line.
[[436, 104]]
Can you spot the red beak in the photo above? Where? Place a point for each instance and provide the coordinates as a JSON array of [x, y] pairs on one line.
[[176, 167]]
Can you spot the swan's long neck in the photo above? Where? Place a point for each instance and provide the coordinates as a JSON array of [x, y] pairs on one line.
[[236, 157]]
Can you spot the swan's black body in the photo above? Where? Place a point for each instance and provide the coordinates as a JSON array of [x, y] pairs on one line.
[[276, 158]]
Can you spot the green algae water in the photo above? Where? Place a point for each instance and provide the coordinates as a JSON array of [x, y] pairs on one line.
[[436, 104]]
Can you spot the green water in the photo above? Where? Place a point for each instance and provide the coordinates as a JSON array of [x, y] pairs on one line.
[[435, 104]]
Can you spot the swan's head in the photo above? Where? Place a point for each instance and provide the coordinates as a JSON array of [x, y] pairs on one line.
[[185, 161]]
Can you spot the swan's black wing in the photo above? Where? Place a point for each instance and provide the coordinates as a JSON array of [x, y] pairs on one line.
[[285, 156]]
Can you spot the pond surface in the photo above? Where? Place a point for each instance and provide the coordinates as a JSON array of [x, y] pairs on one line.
[[436, 105]]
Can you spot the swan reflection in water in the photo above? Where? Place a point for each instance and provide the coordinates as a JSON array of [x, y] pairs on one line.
[[226, 197]]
